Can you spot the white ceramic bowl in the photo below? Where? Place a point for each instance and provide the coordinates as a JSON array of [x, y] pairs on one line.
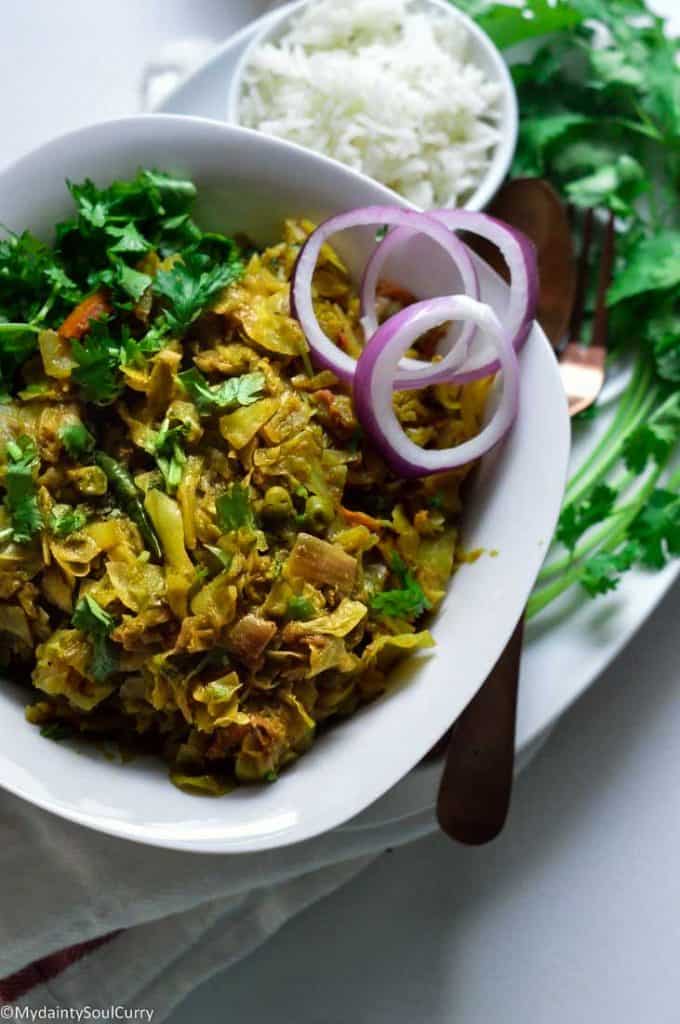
[[482, 52], [250, 182]]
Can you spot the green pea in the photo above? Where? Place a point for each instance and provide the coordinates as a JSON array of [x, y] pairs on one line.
[[276, 504], [319, 511]]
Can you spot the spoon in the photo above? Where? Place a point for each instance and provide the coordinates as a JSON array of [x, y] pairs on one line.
[[476, 785]]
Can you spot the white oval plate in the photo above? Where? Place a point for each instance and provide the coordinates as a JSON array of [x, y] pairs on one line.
[[250, 182], [567, 647]]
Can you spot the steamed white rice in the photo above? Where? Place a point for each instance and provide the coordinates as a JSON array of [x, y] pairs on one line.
[[383, 87]]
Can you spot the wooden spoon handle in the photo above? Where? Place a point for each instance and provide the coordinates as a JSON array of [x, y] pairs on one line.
[[474, 793]]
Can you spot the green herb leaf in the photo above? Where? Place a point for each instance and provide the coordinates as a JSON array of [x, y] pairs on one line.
[[233, 508], [656, 438], [92, 619], [190, 286], [657, 529], [65, 520], [77, 440], [98, 356], [652, 265], [56, 731], [576, 519], [408, 602], [169, 455], [230, 394], [603, 571], [21, 498]]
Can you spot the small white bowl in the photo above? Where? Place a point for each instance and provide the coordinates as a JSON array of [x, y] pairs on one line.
[[482, 52], [251, 182]]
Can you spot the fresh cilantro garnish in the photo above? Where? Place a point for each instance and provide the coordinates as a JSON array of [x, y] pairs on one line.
[[300, 609], [190, 285], [656, 529], [92, 619], [602, 572], [407, 602], [33, 287], [21, 498], [578, 518], [654, 439], [77, 440], [98, 356], [234, 509], [230, 394], [56, 731], [169, 454], [64, 520]]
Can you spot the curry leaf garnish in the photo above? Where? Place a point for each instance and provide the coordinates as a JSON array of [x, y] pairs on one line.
[[230, 394], [233, 508], [90, 618], [21, 498]]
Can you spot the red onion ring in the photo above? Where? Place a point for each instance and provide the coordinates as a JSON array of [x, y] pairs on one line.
[[376, 369], [520, 256], [410, 373]]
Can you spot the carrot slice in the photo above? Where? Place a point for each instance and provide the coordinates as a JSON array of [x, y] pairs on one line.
[[93, 307], [360, 519]]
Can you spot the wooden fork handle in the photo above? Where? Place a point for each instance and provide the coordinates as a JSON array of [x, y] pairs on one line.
[[474, 793]]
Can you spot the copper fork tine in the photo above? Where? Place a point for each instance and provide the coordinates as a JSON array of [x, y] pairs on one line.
[[582, 367]]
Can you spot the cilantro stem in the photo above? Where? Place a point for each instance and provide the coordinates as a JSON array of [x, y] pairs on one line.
[[9, 327], [606, 540], [607, 452]]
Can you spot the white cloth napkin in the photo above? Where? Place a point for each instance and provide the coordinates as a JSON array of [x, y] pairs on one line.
[[184, 916]]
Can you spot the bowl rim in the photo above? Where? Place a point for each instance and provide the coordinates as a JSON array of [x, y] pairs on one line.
[[272, 23], [214, 842]]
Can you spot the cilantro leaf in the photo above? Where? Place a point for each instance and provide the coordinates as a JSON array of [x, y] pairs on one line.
[[652, 265], [234, 509], [602, 572], [56, 731], [77, 440], [576, 519], [62, 523], [508, 25], [169, 454], [406, 602], [90, 618], [98, 356], [21, 498], [657, 528], [237, 391], [189, 286], [654, 439], [616, 185], [128, 238]]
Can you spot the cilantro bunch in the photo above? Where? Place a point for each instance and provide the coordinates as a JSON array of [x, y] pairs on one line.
[[599, 94], [112, 245]]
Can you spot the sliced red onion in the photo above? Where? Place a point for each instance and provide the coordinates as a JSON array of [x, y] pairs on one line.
[[376, 369], [411, 373], [520, 256]]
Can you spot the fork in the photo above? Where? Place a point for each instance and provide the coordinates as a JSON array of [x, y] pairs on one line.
[[582, 367]]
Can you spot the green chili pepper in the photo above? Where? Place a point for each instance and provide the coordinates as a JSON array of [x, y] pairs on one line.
[[125, 490]]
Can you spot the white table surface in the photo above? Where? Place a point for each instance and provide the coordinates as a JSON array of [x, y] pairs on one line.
[[574, 914]]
